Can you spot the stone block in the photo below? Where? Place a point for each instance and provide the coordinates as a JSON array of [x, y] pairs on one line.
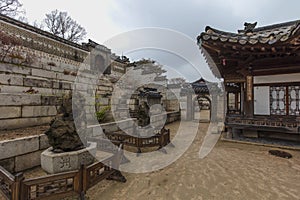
[[27, 161], [57, 69], [44, 91], [13, 89], [43, 73], [66, 85], [34, 82], [7, 99], [8, 79], [50, 100], [59, 92], [8, 164], [44, 143], [6, 124], [38, 111], [10, 112], [67, 161], [56, 85], [14, 69], [11, 148], [64, 77]]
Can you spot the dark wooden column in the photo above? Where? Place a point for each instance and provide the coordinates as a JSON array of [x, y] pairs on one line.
[[242, 98], [249, 97]]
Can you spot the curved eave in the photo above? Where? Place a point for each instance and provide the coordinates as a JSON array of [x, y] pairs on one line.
[[264, 35]]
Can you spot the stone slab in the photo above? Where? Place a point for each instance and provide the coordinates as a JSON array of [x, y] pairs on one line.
[[11, 148], [8, 79], [34, 82], [14, 69], [43, 73], [27, 161], [38, 111], [10, 112], [7, 99], [6, 124]]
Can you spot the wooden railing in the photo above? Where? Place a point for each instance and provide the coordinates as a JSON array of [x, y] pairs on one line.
[[9, 184], [290, 123], [160, 139], [61, 185]]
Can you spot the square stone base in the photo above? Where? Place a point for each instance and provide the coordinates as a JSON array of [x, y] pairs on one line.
[[67, 161]]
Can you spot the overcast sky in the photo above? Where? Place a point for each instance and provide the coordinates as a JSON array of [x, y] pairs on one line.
[[104, 19]]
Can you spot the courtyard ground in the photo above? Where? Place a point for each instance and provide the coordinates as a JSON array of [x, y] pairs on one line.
[[231, 171]]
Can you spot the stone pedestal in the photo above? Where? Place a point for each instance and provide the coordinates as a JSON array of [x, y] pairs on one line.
[[67, 161]]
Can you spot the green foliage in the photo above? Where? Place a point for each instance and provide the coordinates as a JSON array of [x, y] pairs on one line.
[[102, 113]]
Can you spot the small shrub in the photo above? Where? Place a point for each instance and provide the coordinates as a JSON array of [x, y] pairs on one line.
[[102, 113]]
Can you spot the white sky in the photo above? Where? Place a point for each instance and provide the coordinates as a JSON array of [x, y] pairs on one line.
[[105, 18]]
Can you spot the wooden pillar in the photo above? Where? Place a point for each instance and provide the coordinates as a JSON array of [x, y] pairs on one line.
[[17, 187], [249, 97], [242, 98]]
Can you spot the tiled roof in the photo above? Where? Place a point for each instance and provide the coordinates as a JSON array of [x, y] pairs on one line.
[[200, 87], [264, 35]]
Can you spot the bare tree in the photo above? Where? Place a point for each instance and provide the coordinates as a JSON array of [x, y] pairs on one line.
[[62, 25], [10, 7]]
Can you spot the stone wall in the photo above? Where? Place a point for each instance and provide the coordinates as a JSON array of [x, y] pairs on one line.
[[30, 95], [22, 153], [30, 92]]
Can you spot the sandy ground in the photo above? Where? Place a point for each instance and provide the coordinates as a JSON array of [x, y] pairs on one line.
[[231, 171]]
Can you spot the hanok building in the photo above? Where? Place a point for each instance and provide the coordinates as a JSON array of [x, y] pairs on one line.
[[261, 72]]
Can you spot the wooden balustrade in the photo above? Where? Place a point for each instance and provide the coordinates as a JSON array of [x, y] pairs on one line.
[[61, 185], [9, 184], [291, 124], [160, 139]]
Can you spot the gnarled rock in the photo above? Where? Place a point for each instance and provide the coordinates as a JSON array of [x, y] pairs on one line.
[[63, 135]]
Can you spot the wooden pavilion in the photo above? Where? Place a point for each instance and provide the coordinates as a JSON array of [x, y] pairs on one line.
[[261, 72]]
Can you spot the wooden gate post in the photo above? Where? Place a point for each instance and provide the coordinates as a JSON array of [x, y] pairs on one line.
[[81, 183], [16, 190]]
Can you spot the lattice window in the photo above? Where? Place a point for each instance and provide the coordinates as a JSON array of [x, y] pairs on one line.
[[278, 100], [294, 100]]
